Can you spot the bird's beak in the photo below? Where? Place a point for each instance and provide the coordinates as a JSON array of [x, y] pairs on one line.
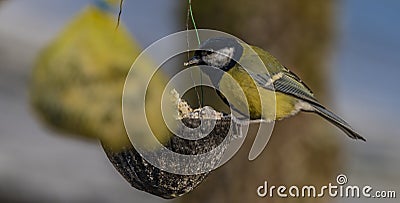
[[195, 60]]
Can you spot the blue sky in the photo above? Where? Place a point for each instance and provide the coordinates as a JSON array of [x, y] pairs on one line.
[[366, 62]]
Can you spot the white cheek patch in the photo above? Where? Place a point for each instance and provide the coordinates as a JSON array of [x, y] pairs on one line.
[[221, 57]]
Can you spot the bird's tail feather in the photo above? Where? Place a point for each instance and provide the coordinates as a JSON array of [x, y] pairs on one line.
[[340, 123]]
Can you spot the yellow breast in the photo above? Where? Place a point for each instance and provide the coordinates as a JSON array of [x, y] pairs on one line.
[[245, 96]]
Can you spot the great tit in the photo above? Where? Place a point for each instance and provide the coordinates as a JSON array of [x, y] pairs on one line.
[[290, 94]]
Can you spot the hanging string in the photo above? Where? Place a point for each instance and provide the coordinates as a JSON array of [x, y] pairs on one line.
[[190, 15], [193, 21], [119, 14]]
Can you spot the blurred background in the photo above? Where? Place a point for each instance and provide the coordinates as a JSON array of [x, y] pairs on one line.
[[347, 51]]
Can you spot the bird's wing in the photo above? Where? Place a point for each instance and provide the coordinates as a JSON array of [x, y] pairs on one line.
[[285, 82], [282, 79], [297, 78]]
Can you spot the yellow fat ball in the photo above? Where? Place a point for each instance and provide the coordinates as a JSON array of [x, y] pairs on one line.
[[78, 80]]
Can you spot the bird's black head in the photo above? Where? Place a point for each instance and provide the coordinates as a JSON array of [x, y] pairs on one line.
[[221, 52]]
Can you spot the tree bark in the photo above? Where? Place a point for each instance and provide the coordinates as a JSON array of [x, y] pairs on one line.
[[302, 149]]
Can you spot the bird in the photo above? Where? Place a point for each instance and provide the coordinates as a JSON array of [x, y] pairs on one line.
[[271, 93]]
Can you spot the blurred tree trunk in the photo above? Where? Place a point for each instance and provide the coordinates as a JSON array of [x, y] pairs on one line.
[[302, 149]]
